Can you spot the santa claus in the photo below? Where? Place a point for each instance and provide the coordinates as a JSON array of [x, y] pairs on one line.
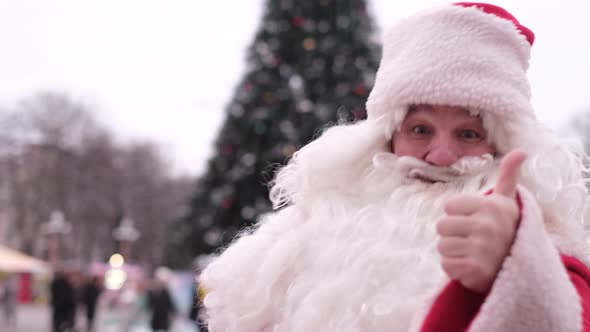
[[451, 208]]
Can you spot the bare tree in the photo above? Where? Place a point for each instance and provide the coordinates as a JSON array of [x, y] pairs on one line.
[[50, 128], [57, 120], [96, 203], [581, 126], [7, 151], [8, 133], [58, 157], [151, 197]]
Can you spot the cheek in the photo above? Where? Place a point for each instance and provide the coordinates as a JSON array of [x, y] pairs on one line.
[[480, 149], [402, 146]]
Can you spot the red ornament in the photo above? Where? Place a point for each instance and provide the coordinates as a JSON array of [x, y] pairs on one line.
[[360, 90], [227, 203], [297, 21], [358, 113], [275, 61], [227, 149]]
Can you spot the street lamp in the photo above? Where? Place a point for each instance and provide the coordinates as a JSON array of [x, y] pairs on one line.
[[126, 234], [115, 276], [54, 228]]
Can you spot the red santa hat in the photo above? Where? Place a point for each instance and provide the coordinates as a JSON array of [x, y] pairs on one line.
[[472, 55]]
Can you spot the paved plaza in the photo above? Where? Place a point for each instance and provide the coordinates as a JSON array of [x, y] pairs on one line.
[[36, 318]]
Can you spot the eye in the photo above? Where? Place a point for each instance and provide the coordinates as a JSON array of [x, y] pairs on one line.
[[420, 130], [470, 135]]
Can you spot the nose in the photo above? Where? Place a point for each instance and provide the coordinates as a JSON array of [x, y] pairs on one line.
[[442, 152]]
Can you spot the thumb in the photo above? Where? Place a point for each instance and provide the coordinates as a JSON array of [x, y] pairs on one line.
[[509, 173]]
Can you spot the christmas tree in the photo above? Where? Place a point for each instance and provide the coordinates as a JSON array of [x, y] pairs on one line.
[[312, 64]]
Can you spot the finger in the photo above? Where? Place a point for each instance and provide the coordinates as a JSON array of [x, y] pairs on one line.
[[454, 267], [455, 226], [453, 247], [509, 173], [464, 204]]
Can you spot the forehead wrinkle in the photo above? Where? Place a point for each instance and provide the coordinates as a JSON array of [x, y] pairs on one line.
[[472, 120], [415, 112], [431, 111], [420, 108]]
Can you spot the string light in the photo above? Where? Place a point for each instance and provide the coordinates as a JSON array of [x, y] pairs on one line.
[[309, 44]]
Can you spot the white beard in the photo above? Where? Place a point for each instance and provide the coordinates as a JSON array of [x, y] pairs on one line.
[[368, 263], [360, 260]]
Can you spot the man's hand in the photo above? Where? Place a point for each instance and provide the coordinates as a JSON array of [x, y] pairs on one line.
[[478, 231]]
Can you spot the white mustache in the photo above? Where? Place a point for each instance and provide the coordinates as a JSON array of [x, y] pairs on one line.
[[414, 168]]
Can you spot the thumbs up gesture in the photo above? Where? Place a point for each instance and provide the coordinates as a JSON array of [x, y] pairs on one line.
[[477, 232]]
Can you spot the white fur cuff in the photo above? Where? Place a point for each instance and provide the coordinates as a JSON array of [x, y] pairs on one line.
[[533, 292]]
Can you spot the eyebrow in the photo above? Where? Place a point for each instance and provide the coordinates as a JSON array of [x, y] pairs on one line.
[[426, 110]]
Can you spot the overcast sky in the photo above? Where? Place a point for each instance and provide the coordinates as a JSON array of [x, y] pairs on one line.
[[164, 70]]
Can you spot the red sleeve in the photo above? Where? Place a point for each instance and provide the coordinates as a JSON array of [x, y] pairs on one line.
[[456, 307], [453, 310], [580, 276]]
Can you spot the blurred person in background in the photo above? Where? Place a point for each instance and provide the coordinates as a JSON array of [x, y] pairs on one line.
[[90, 294], [9, 300], [133, 301], [160, 303], [63, 302]]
